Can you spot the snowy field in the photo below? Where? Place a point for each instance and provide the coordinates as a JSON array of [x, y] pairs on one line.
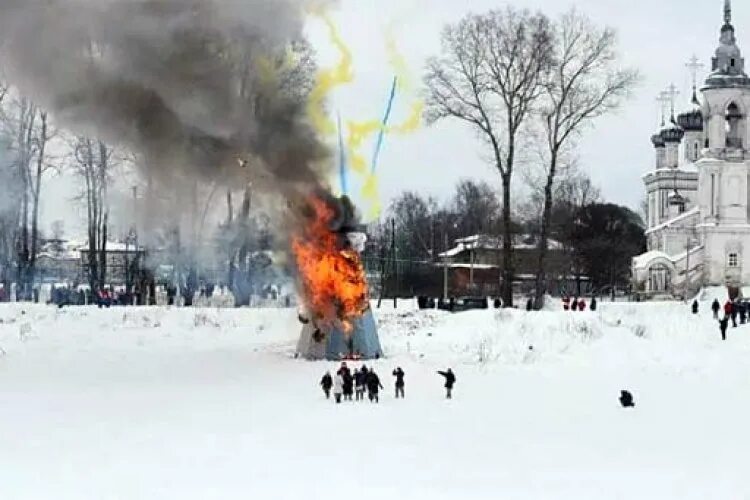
[[210, 404]]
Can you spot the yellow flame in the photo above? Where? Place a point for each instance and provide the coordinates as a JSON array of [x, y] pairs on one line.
[[329, 79]]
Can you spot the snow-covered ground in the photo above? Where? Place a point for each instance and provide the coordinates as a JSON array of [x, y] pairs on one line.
[[210, 404]]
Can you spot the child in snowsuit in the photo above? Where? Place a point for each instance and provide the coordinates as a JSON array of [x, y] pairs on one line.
[[338, 387], [450, 380], [723, 324], [715, 306], [326, 383], [695, 307], [373, 386], [399, 374]]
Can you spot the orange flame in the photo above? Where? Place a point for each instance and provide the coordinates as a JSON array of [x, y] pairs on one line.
[[332, 276]]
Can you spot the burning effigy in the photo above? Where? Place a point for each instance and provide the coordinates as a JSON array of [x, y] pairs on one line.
[[336, 318]]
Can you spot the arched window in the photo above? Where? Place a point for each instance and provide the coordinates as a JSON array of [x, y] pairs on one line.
[[733, 116]]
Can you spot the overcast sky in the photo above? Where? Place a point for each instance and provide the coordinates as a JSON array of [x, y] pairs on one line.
[[657, 37]]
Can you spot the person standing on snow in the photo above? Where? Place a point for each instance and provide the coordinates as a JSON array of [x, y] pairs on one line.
[[399, 374], [373, 386], [348, 384], [581, 305], [326, 383], [742, 307], [593, 304], [695, 306], [715, 306], [730, 309], [338, 387], [723, 324], [450, 380], [574, 304], [359, 384]]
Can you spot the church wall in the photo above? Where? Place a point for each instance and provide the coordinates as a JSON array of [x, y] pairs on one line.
[[720, 243]]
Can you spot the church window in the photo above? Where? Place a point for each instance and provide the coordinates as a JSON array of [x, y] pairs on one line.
[[733, 118], [695, 151], [713, 194], [731, 63], [733, 260]]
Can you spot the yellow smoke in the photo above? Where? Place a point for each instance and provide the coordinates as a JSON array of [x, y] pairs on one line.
[[412, 122], [328, 79]]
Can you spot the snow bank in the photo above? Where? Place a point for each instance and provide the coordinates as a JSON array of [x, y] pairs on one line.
[[155, 403]]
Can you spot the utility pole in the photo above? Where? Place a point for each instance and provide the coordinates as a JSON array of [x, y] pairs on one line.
[[395, 263], [445, 269]]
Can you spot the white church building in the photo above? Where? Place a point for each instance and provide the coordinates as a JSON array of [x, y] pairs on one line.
[[698, 194]]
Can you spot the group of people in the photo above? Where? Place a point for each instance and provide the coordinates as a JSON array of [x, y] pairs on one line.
[[732, 309], [577, 304], [346, 385]]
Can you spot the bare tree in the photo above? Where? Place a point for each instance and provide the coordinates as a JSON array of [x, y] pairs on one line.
[[585, 83], [42, 137], [490, 76], [93, 161], [27, 132]]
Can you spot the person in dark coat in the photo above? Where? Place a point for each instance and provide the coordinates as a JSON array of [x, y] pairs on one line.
[[593, 304], [742, 309], [373, 386], [695, 307], [359, 383], [450, 380], [723, 324], [574, 304], [326, 383], [530, 304], [735, 311], [346, 376], [626, 399], [715, 306], [399, 374]]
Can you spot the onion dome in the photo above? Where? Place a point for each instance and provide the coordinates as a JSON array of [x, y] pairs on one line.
[[672, 134], [657, 141], [692, 121]]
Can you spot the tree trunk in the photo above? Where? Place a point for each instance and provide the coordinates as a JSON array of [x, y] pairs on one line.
[[230, 250], [242, 293], [543, 249], [508, 272], [37, 194]]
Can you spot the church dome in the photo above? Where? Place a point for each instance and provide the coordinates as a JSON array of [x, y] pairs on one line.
[[728, 65], [672, 134], [691, 121], [657, 141]]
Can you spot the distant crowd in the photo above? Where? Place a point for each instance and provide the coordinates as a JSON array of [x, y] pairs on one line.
[[348, 386], [732, 310]]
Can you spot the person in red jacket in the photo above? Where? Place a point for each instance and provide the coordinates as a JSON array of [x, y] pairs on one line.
[[728, 308], [566, 303], [581, 305]]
